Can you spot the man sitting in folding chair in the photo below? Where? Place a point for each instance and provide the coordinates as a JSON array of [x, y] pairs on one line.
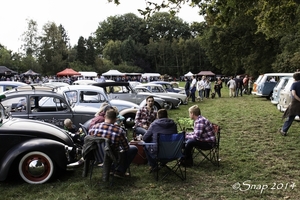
[[117, 136], [203, 135], [161, 125]]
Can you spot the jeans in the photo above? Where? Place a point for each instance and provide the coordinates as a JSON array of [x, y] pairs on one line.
[[287, 124], [193, 96], [207, 91], [191, 143], [128, 158], [140, 131], [237, 90], [201, 92], [151, 157]]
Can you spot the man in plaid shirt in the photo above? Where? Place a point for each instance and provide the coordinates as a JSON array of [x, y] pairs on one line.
[[203, 135], [145, 116], [117, 136]]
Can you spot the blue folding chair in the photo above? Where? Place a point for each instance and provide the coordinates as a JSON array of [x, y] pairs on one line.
[[169, 154]]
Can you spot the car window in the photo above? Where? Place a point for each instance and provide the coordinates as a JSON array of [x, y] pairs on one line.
[[16, 104], [45, 103], [72, 96], [91, 97]]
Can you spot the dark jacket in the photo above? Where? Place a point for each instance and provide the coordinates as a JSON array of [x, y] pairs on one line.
[[163, 125], [187, 85]]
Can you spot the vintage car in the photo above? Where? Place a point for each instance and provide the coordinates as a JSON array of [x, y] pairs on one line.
[[267, 83], [174, 102], [123, 90], [83, 96], [84, 82], [169, 87], [285, 96], [34, 149], [276, 91], [159, 90], [29, 102], [54, 104], [8, 85]]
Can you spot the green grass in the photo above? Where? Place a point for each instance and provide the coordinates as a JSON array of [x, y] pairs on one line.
[[252, 152]]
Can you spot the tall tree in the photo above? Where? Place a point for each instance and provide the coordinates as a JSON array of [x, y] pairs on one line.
[[90, 52], [81, 50]]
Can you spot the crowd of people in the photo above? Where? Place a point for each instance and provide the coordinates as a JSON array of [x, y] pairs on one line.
[[204, 88]]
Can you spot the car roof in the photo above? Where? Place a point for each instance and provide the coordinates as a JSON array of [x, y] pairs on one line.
[[12, 83], [104, 84], [151, 84], [81, 87]]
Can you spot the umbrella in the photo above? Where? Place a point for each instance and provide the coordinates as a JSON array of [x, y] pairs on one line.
[[30, 73], [68, 72]]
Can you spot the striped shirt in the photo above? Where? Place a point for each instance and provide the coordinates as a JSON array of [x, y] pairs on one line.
[[203, 130], [112, 132]]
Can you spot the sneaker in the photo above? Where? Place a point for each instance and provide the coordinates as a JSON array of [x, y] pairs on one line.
[[282, 132]]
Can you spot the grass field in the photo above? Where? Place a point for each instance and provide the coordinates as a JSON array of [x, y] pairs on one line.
[[256, 162]]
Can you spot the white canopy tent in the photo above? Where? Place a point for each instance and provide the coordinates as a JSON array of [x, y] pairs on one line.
[[87, 74], [113, 72], [189, 74]]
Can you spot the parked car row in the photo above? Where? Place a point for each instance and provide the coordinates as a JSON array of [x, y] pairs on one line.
[[276, 87], [33, 141]]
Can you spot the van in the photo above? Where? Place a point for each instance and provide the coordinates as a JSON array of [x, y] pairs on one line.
[[254, 89], [276, 91], [285, 95], [267, 83]]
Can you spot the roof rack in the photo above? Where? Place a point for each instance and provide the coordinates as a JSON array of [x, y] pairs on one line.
[[39, 87]]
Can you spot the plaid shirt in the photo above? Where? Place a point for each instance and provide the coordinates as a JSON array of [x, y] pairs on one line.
[[144, 116], [203, 130], [115, 133]]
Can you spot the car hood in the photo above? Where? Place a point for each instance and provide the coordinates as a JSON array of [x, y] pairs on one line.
[[87, 109], [34, 128], [123, 104]]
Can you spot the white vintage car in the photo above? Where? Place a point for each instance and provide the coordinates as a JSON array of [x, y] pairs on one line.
[[159, 90]]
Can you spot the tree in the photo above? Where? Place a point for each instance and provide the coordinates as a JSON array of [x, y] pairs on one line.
[[81, 50], [54, 53], [90, 52], [30, 39], [112, 51], [120, 27], [164, 25]]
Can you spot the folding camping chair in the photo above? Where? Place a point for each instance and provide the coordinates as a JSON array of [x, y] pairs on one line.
[[98, 150], [211, 154], [169, 153]]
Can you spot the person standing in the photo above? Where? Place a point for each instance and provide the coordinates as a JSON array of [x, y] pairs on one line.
[[161, 125], [201, 87], [218, 86], [294, 108], [207, 87], [239, 86], [231, 85], [250, 85], [193, 88], [187, 86], [117, 136], [203, 135], [145, 116]]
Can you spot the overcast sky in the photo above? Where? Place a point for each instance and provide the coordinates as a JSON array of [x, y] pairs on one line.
[[79, 18]]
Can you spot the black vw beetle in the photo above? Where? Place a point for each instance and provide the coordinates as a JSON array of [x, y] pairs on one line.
[[34, 149]]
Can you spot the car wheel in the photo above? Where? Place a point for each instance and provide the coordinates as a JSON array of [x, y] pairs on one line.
[[169, 106], [129, 120], [36, 167], [156, 106]]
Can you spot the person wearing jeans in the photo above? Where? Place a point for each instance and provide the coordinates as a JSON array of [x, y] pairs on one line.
[[202, 136], [294, 108]]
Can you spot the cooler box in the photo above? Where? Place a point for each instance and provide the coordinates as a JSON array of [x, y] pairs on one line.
[[140, 157]]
